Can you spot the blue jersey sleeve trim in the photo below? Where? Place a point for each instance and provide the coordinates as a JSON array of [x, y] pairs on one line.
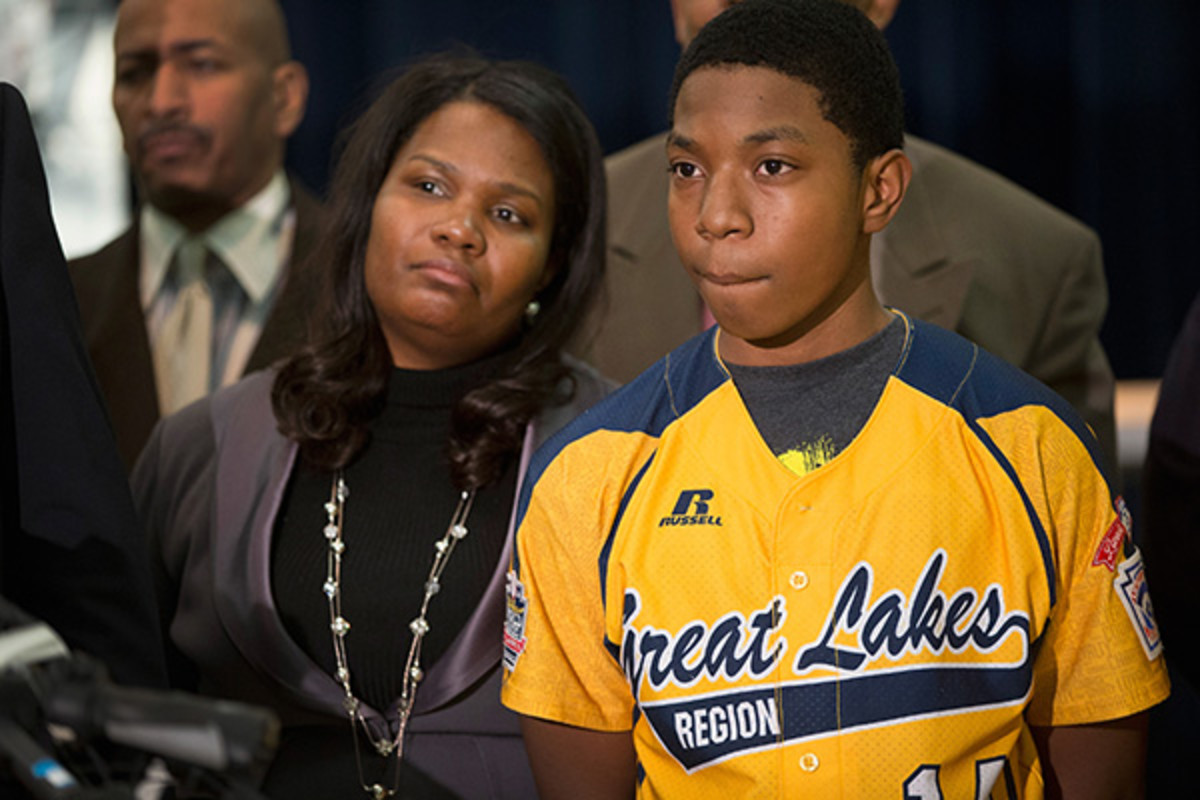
[[977, 385], [1043, 539], [605, 551]]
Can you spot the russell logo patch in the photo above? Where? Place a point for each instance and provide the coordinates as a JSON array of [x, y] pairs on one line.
[[515, 609], [1134, 592], [692, 508]]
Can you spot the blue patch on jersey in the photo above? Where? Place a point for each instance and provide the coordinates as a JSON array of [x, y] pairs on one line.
[[1134, 592], [516, 610]]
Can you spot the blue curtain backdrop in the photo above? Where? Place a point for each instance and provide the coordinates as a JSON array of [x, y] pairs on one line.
[[1091, 104]]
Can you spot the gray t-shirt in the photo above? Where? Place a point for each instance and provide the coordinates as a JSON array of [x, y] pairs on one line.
[[808, 413]]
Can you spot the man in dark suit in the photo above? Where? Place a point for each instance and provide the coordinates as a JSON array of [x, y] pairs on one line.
[[71, 550], [968, 250], [206, 94], [1171, 538]]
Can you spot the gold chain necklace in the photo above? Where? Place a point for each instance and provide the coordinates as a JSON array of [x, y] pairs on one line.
[[339, 626]]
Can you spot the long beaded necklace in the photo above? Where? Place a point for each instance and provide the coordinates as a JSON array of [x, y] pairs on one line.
[[339, 626]]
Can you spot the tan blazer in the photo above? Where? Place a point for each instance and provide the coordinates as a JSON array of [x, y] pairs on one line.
[[969, 250]]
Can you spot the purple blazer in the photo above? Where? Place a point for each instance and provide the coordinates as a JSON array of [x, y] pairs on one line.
[[208, 487]]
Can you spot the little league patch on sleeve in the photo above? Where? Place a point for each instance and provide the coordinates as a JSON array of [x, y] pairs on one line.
[[1110, 546], [1134, 592], [515, 608]]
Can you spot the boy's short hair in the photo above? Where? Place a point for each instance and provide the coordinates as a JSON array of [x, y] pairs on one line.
[[827, 44]]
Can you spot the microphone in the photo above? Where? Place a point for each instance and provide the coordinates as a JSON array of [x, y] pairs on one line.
[[24, 641], [42, 775], [74, 692], [219, 735]]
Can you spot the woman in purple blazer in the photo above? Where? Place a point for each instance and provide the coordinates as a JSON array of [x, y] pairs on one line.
[[331, 537]]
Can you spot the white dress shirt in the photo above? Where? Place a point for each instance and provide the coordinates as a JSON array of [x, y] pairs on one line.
[[254, 242]]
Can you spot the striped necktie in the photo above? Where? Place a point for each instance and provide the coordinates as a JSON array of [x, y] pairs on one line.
[[183, 349]]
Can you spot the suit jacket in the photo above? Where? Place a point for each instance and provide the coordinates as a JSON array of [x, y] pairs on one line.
[[114, 325], [1171, 500], [968, 250], [72, 552], [1170, 505], [208, 488]]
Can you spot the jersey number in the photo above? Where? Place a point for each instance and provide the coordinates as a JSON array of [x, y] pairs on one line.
[[924, 785]]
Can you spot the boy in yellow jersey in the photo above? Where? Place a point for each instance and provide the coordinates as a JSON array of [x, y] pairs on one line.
[[822, 550]]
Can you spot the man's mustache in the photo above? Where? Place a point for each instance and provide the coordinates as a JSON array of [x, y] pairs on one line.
[[199, 134]]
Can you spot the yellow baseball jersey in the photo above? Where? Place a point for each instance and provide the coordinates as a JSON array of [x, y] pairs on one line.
[[888, 625]]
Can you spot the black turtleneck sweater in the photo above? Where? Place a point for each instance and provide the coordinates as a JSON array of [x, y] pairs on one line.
[[400, 502]]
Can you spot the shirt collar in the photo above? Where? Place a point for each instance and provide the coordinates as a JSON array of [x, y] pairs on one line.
[[247, 240]]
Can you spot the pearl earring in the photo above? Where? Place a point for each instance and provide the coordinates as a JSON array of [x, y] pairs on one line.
[[531, 311]]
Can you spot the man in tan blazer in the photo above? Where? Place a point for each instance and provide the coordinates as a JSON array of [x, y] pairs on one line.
[[969, 250]]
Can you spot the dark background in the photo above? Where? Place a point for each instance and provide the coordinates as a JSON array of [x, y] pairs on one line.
[[1092, 104]]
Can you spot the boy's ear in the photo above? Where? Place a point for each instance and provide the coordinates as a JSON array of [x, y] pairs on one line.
[[681, 27], [885, 180], [881, 12]]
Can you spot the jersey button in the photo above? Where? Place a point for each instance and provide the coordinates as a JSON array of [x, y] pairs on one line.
[[809, 762], [799, 580]]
